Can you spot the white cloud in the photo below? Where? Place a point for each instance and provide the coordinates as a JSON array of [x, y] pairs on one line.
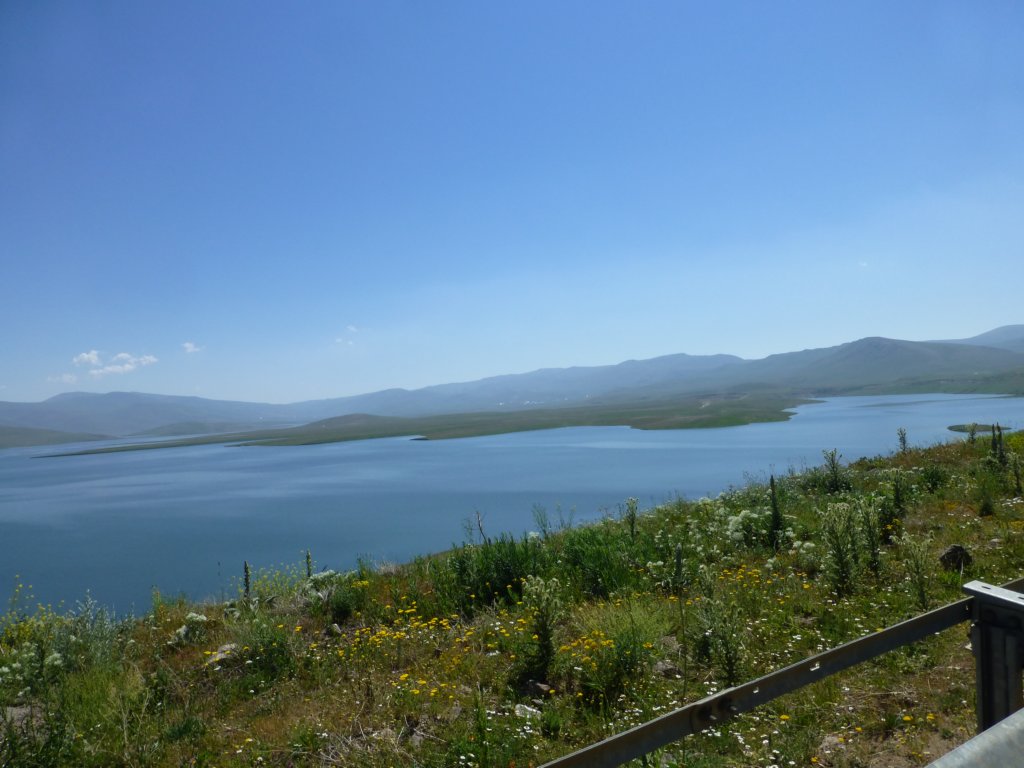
[[122, 362], [189, 347], [92, 357], [350, 330]]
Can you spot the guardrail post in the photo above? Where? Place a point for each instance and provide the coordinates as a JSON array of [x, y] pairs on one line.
[[997, 639]]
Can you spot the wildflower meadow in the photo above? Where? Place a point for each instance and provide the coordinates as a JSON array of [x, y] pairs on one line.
[[510, 651]]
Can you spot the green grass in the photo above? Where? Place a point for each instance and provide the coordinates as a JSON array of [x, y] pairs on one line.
[[512, 651]]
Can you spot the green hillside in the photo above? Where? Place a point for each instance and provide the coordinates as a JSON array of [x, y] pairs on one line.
[[511, 651], [681, 413], [12, 437], [684, 413]]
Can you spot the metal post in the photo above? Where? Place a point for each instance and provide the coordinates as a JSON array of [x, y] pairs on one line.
[[997, 639]]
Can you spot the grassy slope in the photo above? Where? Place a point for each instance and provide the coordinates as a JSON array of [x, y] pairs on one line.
[[431, 663], [867, 367], [683, 413], [1006, 383], [711, 411], [13, 437]]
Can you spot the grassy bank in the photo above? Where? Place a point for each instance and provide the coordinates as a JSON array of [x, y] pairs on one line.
[[509, 652], [676, 413]]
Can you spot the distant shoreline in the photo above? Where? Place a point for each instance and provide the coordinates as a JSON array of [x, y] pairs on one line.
[[705, 412]]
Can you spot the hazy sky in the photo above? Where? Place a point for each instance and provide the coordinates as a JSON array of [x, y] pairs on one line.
[[285, 201]]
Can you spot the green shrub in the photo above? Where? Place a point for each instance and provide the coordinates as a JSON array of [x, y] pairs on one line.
[[870, 535], [605, 661], [544, 603], [720, 639], [776, 524], [841, 561], [837, 478], [480, 575], [264, 650], [597, 560], [918, 568], [1016, 471], [934, 476], [830, 478]]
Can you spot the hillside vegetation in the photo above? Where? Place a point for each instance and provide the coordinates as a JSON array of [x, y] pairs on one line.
[[682, 413], [511, 651]]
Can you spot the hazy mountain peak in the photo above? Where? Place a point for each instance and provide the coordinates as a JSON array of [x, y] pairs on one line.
[[1005, 337]]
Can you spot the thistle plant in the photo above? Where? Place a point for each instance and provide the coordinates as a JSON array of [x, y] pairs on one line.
[[915, 559], [899, 487], [631, 514], [543, 599], [721, 637], [894, 506], [193, 630], [1015, 468], [842, 560], [677, 570], [543, 522], [776, 524], [870, 534], [678, 581], [836, 480]]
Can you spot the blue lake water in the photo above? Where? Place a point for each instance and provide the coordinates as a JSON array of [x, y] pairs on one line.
[[184, 519]]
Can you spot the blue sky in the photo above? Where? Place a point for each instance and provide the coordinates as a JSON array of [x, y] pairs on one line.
[[279, 202]]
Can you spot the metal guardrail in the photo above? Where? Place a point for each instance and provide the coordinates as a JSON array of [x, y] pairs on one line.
[[1002, 744], [997, 637], [998, 642]]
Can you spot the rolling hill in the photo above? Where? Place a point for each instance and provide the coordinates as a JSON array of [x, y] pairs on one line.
[[990, 362]]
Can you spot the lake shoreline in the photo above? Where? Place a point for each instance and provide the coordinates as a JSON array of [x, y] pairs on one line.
[[706, 412], [182, 521]]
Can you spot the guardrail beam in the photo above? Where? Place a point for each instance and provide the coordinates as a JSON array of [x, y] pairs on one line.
[[997, 637]]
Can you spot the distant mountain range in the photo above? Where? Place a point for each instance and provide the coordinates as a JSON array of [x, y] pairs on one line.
[[992, 362]]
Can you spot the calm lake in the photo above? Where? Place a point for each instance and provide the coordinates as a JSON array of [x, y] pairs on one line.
[[183, 519]]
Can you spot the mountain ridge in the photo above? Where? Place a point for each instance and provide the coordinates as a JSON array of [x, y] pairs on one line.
[[989, 362]]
